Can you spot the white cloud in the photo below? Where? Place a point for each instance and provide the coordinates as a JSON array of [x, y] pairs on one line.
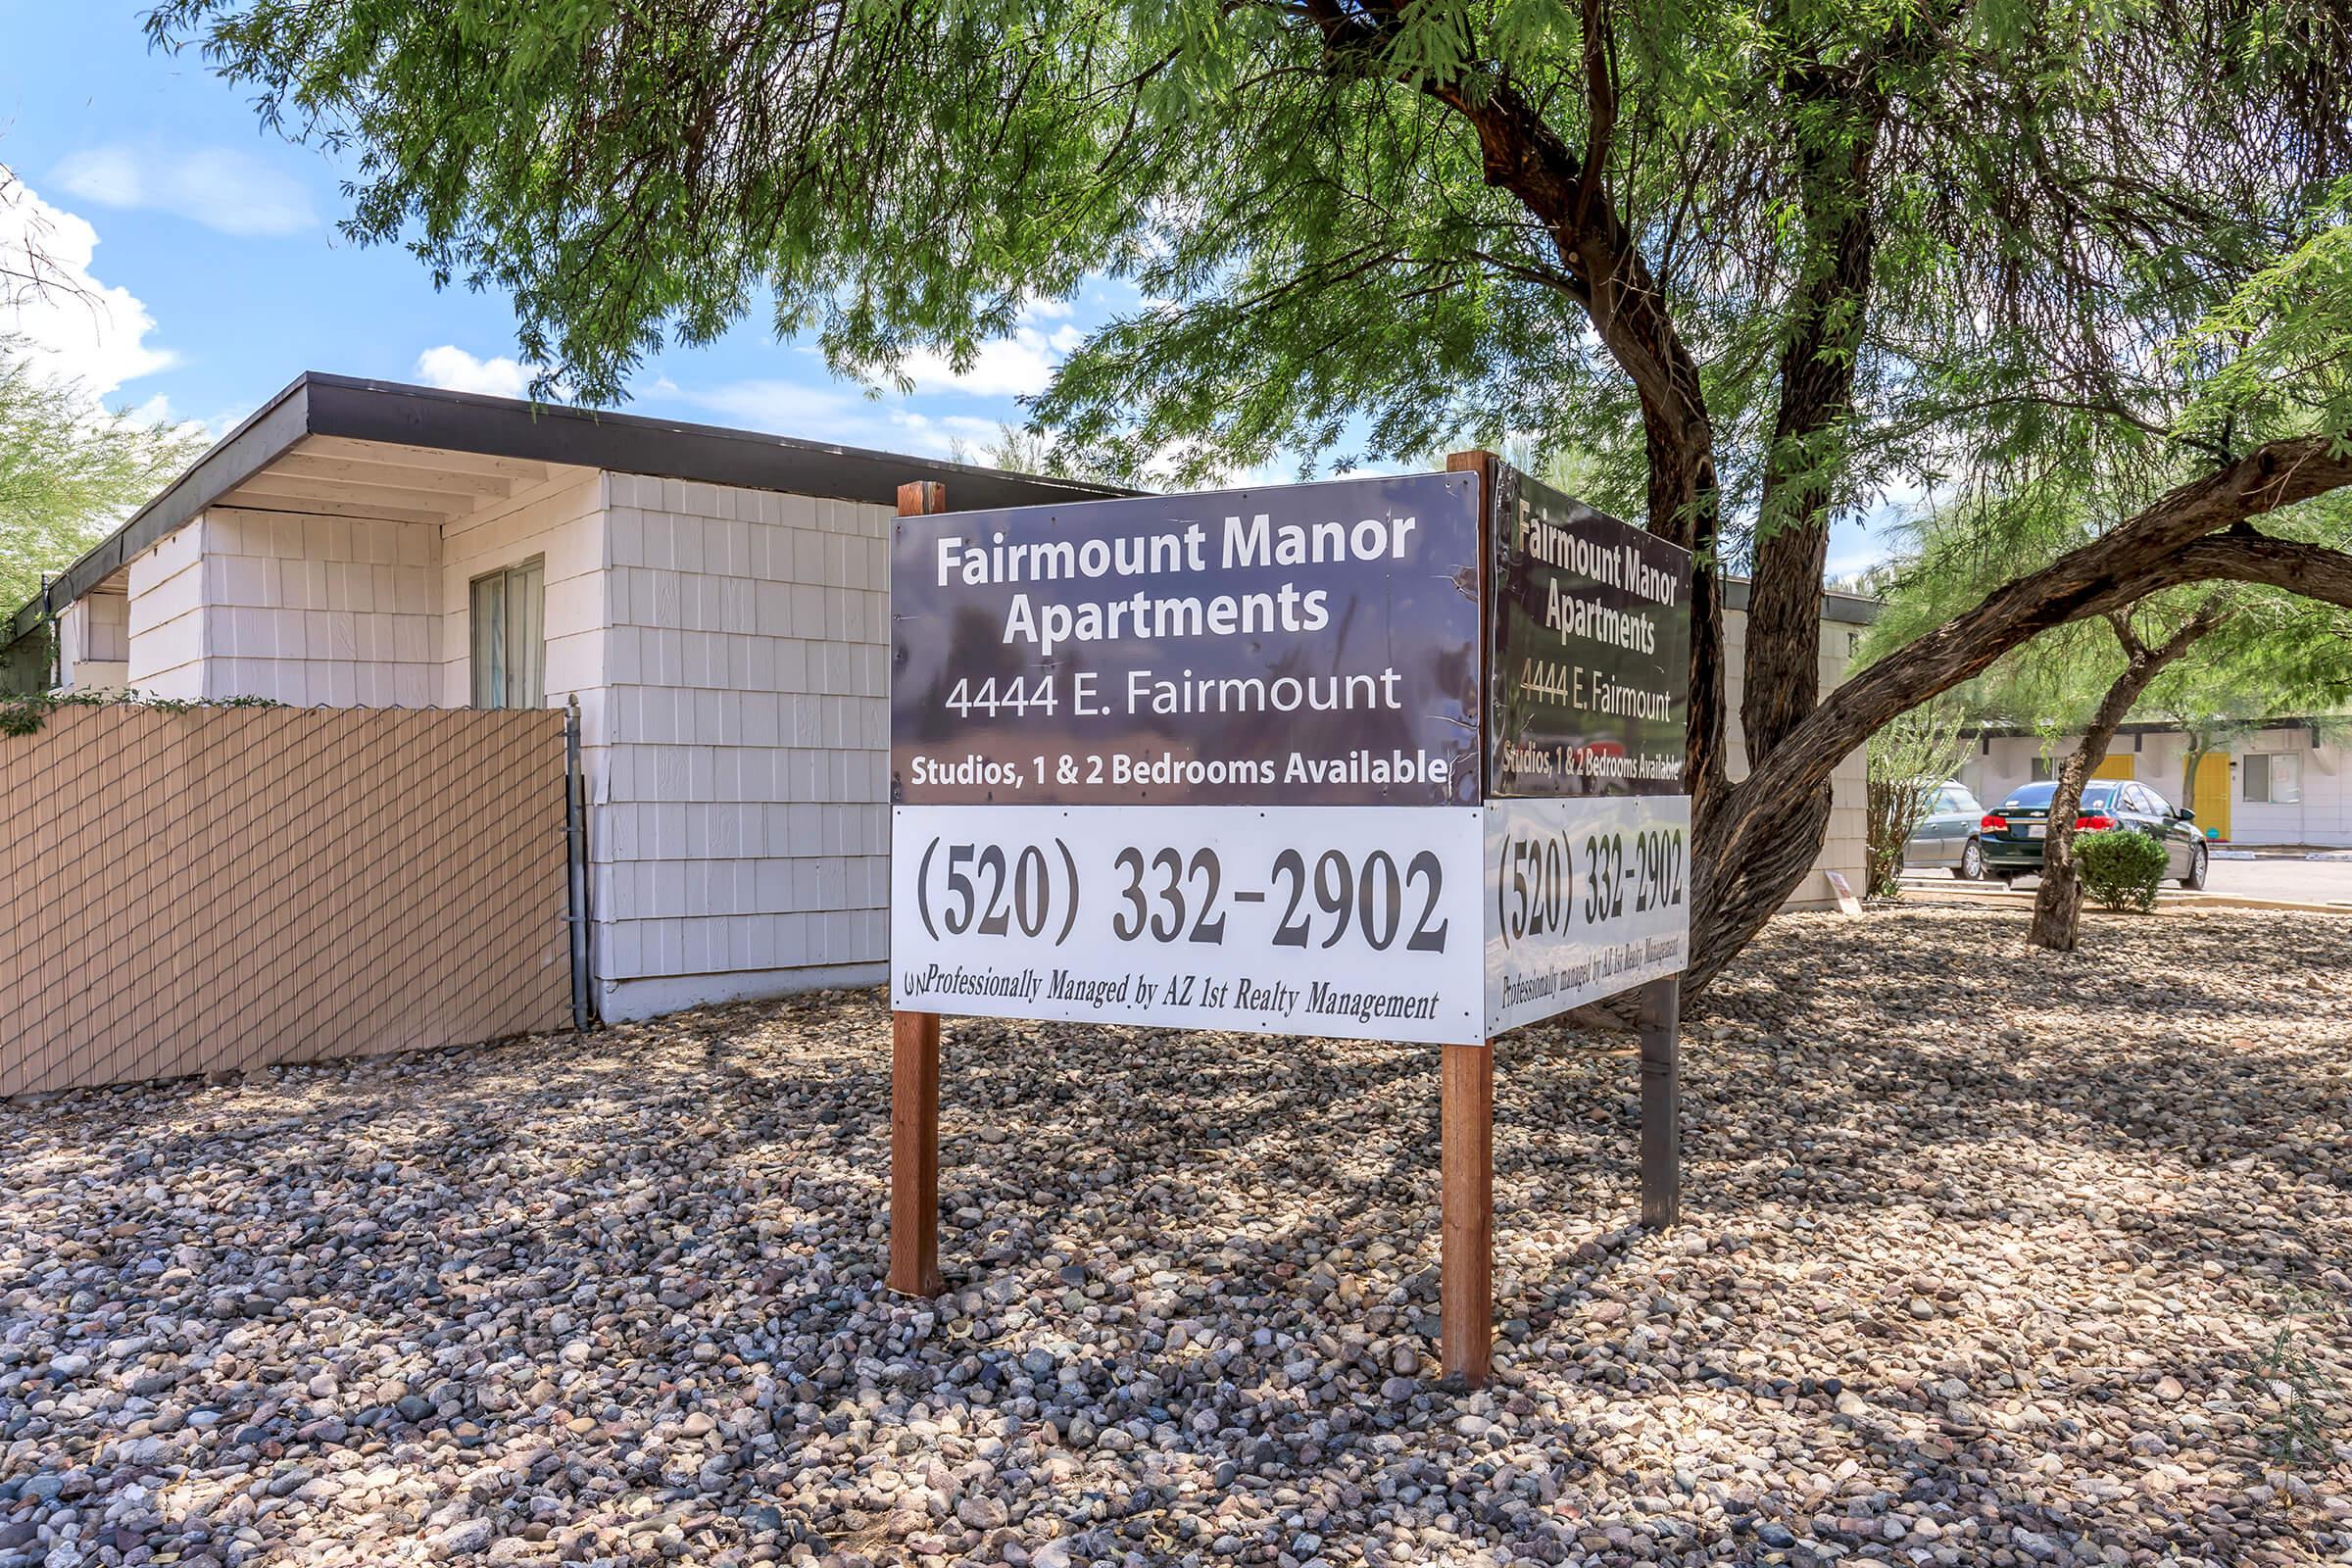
[[1019, 366], [220, 187], [781, 407], [75, 328], [452, 368], [947, 436]]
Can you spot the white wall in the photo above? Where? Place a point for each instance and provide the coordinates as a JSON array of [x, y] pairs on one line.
[[1845, 849], [562, 520], [743, 834], [320, 611], [309, 611], [93, 642], [2323, 816], [166, 615]]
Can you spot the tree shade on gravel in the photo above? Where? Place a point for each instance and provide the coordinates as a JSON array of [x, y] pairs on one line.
[[1989, 1258]]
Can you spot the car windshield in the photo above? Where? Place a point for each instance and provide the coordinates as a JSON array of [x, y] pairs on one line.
[[2035, 796]]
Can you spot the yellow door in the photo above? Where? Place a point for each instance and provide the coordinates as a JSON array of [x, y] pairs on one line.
[[2113, 766], [2212, 803]]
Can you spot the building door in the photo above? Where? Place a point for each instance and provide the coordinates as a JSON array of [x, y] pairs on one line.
[[2112, 766], [2212, 803]]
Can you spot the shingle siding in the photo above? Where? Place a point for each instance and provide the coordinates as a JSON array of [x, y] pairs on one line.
[[743, 826], [1845, 849]]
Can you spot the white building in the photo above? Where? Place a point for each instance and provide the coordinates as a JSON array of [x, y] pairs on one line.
[[717, 601], [2281, 784]]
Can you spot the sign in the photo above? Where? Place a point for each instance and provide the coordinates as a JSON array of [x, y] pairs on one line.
[[1844, 892], [1386, 760], [1591, 677], [1255, 761], [1303, 645], [1353, 923], [1589, 898], [1444, 926]]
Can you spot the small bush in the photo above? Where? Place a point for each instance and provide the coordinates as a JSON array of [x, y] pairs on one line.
[[2120, 868]]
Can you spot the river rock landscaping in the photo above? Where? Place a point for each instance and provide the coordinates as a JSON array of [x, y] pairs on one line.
[[1988, 1257]]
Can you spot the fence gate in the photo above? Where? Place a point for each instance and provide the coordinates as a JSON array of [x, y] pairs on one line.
[[219, 888]]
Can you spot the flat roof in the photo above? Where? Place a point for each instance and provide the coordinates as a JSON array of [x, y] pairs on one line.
[[1850, 609], [394, 412], [318, 404]]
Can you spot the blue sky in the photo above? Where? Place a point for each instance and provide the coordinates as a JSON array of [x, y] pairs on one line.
[[219, 276], [222, 276]]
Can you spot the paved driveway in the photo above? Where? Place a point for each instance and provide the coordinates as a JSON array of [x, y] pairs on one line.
[[2305, 881]]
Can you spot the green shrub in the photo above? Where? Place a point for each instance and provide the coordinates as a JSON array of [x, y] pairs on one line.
[[2120, 868]]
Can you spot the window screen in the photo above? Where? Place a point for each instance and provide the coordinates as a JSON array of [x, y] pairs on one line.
[[509, 639], [2272, 777]]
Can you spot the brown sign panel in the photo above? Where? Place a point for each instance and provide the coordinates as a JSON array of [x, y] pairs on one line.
[[1293, 644], [1590, 678]]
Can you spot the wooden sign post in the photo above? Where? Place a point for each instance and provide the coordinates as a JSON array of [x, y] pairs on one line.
[[915, 1088], [1466, 1212]]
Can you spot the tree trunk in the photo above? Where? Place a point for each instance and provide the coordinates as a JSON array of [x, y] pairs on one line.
[[2058, 902], [1829, 304]]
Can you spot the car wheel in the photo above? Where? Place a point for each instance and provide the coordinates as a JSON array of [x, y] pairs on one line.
[[2199, 860], [1971, 862]]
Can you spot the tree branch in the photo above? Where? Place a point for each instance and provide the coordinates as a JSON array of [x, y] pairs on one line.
[[2246, 554], [2169, 542]]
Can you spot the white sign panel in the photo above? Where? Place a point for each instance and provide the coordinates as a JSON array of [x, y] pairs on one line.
[[1584, 898], [1441, 924], [1353, 922]]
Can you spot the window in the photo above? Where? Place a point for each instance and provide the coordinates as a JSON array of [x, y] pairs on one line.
[[509, 637], [2272, 777]]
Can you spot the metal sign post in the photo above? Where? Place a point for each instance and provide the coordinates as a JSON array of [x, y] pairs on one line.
[[1661, 1102], [1383, 758]]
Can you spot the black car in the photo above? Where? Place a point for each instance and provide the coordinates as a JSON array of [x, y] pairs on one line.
[[2013, 832]]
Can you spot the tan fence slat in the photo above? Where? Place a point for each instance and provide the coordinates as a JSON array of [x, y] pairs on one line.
[[214, 889]]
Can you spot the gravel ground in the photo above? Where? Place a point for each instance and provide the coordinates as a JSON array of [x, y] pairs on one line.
[[1988, 1259]]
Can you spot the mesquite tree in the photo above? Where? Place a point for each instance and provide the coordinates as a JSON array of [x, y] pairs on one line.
[[1761, 247], [2058, 901]]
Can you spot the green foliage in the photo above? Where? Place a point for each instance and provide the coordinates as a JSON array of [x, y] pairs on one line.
[[68, 470], [1332, 264], [24, 663], [2121, 868], [1908, 760], [2298, 1429], [1019, 451], [24, 713], [2282, 344], [2276, 655]]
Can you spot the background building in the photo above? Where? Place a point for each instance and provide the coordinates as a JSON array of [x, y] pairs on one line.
[[2282, 782]]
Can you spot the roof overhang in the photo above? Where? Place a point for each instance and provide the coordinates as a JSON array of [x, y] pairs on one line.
[[322, 414]]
